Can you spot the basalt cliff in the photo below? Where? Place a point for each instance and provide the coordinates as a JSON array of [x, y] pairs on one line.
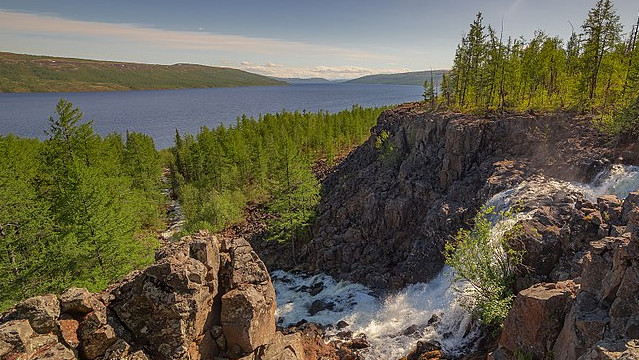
[[386, 212], [388, 209]]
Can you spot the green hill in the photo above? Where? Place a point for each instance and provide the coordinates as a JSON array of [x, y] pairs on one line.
[[29, 73], [408, 78]]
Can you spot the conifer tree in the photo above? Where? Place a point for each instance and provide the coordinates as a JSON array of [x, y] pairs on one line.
[[602, 31]]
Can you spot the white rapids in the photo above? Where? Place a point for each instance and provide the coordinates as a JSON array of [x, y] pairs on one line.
[[423, 311], [619, 180], [393, 324]]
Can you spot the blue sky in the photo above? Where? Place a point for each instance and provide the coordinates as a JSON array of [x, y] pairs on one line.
[[334, 39]]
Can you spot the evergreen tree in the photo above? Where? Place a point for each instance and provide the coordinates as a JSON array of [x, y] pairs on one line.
[[95, 226], [602, 31]]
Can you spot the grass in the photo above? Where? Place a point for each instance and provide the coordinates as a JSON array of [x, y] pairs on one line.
[[29, 73]]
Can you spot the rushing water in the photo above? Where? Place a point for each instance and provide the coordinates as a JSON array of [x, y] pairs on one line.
[[423, 311], [619, 180], [392, 325], [160, 112]]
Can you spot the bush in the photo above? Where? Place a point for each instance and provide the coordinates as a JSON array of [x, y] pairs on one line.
[[484, 258]]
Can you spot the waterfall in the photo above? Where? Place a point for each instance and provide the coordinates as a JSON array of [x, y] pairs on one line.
[[424, 311]]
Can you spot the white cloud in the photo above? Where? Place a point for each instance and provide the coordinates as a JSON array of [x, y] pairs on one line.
[[328, 72], [26, 23]]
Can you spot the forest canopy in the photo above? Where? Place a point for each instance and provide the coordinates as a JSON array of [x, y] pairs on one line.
[[595, 70]]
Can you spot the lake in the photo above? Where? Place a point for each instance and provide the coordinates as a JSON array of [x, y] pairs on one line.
[[160, 112]]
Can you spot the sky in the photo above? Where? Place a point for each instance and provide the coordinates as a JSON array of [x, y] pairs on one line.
[[333, 39]]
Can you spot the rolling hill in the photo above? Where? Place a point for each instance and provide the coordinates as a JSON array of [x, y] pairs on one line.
[[408, 78], [30, 73], [298, 81]]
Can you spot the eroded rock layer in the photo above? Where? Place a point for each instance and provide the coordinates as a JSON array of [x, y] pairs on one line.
[[388, 209]]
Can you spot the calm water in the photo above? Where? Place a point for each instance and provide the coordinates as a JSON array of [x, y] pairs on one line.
[[159, 113]]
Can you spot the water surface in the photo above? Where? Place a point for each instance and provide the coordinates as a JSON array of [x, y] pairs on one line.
[[160, 112]]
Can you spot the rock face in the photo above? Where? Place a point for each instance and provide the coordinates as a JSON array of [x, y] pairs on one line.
[[597, 316], [201, 299], [388, 209]]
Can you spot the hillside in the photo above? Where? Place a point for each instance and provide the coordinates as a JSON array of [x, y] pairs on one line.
[[408, 78], [29, 73], [295, 81]]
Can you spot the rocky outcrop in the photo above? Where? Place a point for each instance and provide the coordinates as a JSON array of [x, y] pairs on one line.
[[202, 299], [597, 317], [388, 209], [536, 318]]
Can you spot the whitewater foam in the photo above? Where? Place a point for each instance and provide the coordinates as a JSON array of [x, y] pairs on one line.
[[393, 324], [619, 180]]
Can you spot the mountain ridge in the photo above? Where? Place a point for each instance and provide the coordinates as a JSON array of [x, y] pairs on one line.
[[36, 73], [406, 78]]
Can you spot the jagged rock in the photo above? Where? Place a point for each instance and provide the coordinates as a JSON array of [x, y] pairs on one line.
[[630, 203], [387, 210], [248, 303], [611, 208], [248, 319], [79, 301], [95, 335], [121, 350], [583, 327], [19, 341], [536, 318], [282, 347], [320, 305], [619, 349], [55, 351], [42, 313], [169, 308], [424, 350], [69, 331], [168, 304], [17, 334]]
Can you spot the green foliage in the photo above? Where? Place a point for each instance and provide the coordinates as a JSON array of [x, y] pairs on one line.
[[596, 70], [263, 161], [385, 146], [28, 73], [484, 257], [76, 209], [295, 195]]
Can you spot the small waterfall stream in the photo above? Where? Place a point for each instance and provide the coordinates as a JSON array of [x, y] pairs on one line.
[[423, 311]]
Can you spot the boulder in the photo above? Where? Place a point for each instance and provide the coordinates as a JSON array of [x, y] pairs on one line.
[[55, 351], [121, 350], [282, 347], [248, 319], [168, 311], [167, 306], [42, 313], [536, 318], [69, 331], [17, 334], [79, 301], [95, 335], [583, 327]]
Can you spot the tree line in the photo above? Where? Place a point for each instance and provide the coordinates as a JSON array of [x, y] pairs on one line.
[[77, 209], [596, 70], [268, 160]]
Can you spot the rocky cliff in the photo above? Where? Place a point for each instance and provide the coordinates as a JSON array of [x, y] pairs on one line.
[[591, 312], [388, 209], [203, 298]]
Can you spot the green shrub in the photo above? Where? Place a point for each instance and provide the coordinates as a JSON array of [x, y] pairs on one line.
[[484, 258]]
